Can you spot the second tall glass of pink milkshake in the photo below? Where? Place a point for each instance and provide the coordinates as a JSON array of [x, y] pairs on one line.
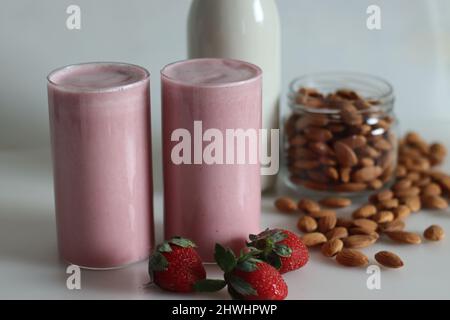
[[211, 200]]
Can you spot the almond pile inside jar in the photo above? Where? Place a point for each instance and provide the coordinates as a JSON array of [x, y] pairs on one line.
[[360, 161], [340, 142]]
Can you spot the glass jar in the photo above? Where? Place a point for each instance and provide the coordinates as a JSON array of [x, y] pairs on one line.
[[340, 134]]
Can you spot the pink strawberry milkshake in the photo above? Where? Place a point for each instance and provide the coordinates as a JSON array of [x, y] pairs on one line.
[[100, 132], [211, 203]]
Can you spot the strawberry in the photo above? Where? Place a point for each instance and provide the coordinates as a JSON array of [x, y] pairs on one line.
[[176, 265], [282, 249], [247, 277]]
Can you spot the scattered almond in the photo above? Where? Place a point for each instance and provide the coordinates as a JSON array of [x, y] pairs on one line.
[[351, 258], [431, 189], [389, 259], [332, 247], [335, 202], [434, 202], [327, 223], [384, 195], [337, 233], [344, 222], [410, 192], [322, 213], [364, 231], [404, 237], [365, 211], [359, 241], [383, 217], [388, 204], [313, 239], [307, 224], [402, 212], [434, 233], [308, 205], [286, 204], [395, 225], [413, 203], [365, 223]]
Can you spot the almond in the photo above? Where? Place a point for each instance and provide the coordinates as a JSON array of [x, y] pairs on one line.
[[410, 192], [367, 174], [351, 258], [308, 205], [404, 237], [321, 148], [431, 189], [327, 223], [389, 259], [332, 247], [355, 141], [350, 187], [335, 202], [383, 217], [345, 155], [413, 203], [345, 174], [434, 202], [365, 211], [395, 225], [365, 223], [318, 134], [337, 233], [376, 184], [322, 213], [384, 195], [313, 239], [286, 204], [382, 145], [343, 222], [363, 231], [388, 204], [402, 212], [350, 115], [331, 173], [434, 233], [359, 241], [402, 184], [307, 224]]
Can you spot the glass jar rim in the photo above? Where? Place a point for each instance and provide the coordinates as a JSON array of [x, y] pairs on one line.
[[385, 97]]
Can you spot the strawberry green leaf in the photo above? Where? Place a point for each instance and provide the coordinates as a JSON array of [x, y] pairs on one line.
[[234, 295], [241, 286], [225, 258], [164, 247], [248, 265], [157, 262], [209, 285], [278, 236], [182, 242], [282, 250]]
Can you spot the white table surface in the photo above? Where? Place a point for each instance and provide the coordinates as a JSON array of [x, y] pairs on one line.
[[30, 268]]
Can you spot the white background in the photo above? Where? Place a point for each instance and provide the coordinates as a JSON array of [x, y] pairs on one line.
[[412, 51]]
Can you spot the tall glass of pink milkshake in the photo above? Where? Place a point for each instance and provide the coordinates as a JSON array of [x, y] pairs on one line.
[[100, 133], [210, 200]]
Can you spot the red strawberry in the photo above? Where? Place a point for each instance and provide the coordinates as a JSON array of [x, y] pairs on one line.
[[282, 249], [265, 280], [247, 277], [176, 265]]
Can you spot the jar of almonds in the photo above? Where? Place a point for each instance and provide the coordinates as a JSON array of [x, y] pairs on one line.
[[340, 134]]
